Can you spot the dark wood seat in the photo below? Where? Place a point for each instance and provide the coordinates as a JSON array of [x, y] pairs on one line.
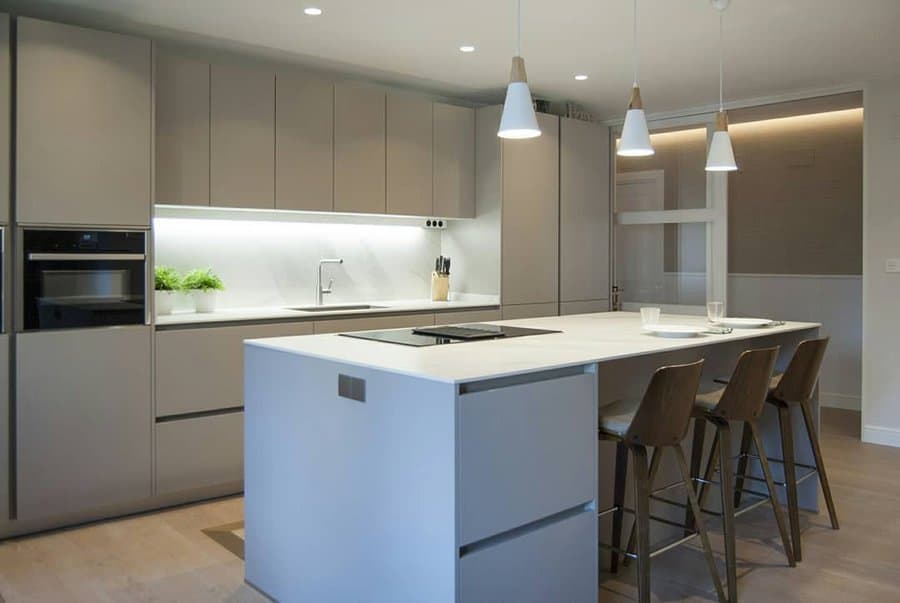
[[660, 420]]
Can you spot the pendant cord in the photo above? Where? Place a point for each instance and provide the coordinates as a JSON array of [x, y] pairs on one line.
[[721, 66], [518, 28], [634, 49]]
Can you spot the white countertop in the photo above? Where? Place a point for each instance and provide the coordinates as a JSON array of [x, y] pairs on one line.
[[585, 339], [459, 302]]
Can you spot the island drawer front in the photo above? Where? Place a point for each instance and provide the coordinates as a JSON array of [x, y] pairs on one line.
[[199, 370], [199, 452], [526, 452], [557, 562]]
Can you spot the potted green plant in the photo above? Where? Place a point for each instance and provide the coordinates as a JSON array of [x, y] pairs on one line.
[[203, 286], [167, 282]]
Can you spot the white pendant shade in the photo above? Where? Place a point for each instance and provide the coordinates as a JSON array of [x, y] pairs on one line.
[[518, 119], [721, 153], [635, 140]]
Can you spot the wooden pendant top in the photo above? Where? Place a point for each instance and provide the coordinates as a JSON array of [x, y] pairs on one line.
[[517, 73], [635, 102]]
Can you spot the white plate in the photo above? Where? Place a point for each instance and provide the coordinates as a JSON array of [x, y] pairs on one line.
[[744, 323], [674, 330]]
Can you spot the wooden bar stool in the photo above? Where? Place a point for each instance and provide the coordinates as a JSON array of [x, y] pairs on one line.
[[742, 399], [660, 420], [795, 387]]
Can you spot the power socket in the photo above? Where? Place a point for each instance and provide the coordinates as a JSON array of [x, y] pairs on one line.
[[436, 223], [892, 265]]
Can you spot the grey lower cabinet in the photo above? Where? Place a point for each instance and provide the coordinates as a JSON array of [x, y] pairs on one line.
[[83, 126], [83, 420], [242, 137], [583, 307], [5, 100], [518, 311], [182, 129], [359, 148], [463, 316], [394, 321], [409, 154], [4, 428], [201, 369], [583, 211], [304, 143], [200, 452], [454, 161]]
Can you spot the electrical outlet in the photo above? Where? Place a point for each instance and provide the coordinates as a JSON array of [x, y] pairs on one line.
[[892, 265], [436, 223]]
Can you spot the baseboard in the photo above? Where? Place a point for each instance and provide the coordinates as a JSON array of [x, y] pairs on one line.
[[886, 436], [844, 401]]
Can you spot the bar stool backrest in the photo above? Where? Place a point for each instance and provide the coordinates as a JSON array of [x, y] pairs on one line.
[[800, 378], [663, 417], [745, 395]]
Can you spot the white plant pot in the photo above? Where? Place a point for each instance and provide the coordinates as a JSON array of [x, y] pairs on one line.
[[204, 301], [164, 302]]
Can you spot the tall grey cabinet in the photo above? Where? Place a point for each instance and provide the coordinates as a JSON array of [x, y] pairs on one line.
[[83, 126], [5, 98], [583, 217], [454, 161]]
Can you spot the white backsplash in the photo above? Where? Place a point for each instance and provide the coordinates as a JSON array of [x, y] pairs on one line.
[[273, 263]]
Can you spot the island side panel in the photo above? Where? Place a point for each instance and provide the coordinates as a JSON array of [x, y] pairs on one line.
[[347, 500]]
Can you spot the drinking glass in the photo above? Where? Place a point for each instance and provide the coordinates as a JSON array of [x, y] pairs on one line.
[[649, 316], [715, 311]]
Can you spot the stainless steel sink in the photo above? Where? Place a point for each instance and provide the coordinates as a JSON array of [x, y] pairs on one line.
[[335, 308]]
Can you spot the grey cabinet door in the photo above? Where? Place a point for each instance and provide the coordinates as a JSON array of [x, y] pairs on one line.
[[304, 143], [182, 130], [200, 452], [396, 321], [359, 149], [83, 419], [242, 137], [5, 97], [454, 161], [583, 211], [4, 428], [409, 155], [530, 231], [520, 311], [202, 369], [83, 126]]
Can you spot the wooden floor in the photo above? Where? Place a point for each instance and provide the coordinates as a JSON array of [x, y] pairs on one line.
[[167, 556]]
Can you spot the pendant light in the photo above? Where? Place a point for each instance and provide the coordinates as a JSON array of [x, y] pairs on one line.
[[721, 153], [635, 140], [518, 119]]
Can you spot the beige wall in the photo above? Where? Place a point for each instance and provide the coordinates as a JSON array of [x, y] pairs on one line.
[[795, 205]]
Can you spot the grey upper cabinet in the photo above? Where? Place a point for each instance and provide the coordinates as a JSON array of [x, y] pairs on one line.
[[182, 130], [454, 161], [530, 222], [5, 94], [304, 143], [83, 134], [409, 154], [583, 211], [242, 137], [359, 148]]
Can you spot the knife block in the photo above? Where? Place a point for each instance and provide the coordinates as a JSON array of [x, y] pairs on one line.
[[440, 287]]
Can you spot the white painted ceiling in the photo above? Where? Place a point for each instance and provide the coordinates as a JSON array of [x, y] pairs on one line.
[[773, 46]]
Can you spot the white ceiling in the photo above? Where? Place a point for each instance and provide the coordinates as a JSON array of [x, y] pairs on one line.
[[773, 46]]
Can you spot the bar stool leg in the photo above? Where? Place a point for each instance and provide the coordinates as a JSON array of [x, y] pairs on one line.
[[642, 520], [704, 537], [820, 463], [743, 461], [696, 462], [654, 468], [790, 477], [711, 463], [725, 477], [618, 501], [773, 498]]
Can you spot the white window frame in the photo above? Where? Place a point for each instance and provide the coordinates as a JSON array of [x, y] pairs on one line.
[[714, 215]]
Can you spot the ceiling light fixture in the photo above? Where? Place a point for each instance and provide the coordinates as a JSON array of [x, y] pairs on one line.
[[467, 48], [635, 140], [721, 152], [312, 11], [581, 77], [518, 119]]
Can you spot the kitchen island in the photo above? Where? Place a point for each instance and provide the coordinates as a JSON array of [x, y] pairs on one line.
[[463, 472]]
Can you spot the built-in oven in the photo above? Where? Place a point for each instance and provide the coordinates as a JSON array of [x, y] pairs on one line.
[[75, 279]]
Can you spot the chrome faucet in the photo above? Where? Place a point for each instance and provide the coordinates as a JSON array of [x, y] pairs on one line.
[[319, 290]]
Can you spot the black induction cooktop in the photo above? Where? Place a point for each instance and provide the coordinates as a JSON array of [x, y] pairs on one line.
[[446, 335]]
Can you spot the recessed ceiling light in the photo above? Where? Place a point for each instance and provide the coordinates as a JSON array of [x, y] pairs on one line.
[[581, 77], [467, 48], [312, 11]]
